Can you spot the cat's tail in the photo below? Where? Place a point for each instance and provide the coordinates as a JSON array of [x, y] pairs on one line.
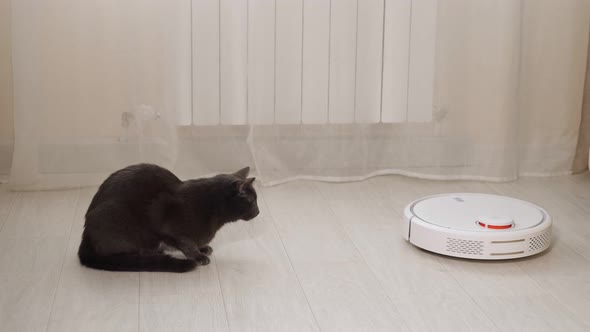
[[133, 262]]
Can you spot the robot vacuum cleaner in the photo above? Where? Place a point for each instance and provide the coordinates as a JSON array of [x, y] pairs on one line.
[[477, 226]]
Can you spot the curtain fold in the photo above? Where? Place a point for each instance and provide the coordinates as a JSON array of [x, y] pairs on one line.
[[582, 159], [442, 89], [6, 109], [96, 88], [552, 75]]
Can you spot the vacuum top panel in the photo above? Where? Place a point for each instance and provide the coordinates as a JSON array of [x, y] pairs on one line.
[[478, 212]]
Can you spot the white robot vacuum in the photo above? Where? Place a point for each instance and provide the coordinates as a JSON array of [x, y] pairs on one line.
[[477, 226]]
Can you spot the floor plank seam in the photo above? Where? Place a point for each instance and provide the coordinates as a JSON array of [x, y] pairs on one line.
[[400, 215], [221, 291], [468, 294], [587, 259], [63, 259], [538, 285], [315, 320], [138, 301], [343, 229]]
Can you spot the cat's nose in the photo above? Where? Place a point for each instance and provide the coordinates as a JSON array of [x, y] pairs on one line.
[[254, 214]]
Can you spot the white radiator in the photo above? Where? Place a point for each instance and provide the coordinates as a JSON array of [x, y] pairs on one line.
[[307, 61]]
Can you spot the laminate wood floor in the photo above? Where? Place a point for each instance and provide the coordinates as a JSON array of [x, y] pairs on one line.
[[320, 257]]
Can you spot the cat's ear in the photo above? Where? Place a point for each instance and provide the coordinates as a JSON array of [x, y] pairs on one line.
[[243, 173], [245, 183], [249, 181]]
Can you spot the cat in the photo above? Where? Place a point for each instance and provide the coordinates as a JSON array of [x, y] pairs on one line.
[[142, 209]]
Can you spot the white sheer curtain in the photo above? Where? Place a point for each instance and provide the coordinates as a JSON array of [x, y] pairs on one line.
[[97, 85], [331, 90]]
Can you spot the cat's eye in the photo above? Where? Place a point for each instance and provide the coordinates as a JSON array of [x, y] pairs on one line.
[[249, 198]]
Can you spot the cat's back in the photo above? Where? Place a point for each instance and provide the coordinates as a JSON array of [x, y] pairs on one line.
[[135, 185]]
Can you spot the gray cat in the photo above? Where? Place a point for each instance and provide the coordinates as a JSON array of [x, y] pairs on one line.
[[141, 209]]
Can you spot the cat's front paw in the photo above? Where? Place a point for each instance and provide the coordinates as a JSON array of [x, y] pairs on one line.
[[206, 250], [202, 260]]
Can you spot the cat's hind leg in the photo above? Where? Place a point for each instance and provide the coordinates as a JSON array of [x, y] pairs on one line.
[[113, 245], [153, 262]]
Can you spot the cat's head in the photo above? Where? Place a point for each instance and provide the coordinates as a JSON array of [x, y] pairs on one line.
[[243, 198]]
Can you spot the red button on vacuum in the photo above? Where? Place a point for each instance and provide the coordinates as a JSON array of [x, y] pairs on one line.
[[493, 226], [495, 222]]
